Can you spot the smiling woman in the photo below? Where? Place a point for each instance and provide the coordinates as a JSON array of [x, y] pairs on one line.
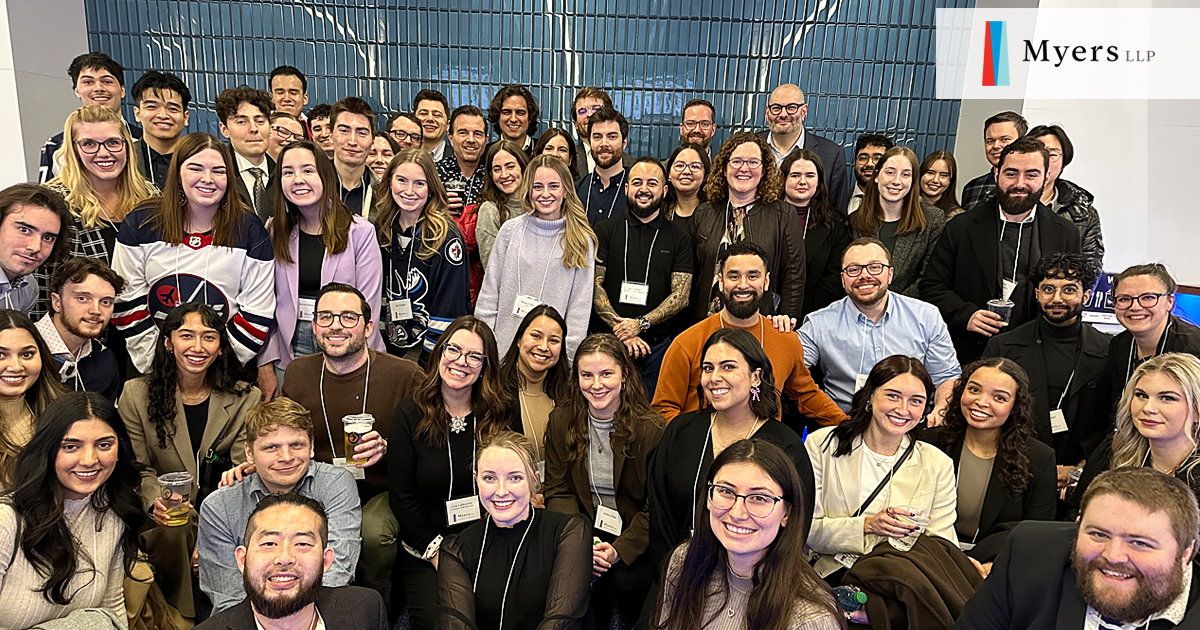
[[28, 384]]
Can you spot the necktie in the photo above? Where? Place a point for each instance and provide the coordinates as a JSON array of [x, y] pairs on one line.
[[259, 188]]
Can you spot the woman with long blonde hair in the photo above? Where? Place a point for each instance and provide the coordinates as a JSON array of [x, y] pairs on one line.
[[427, 277], [101, 183], [546, 256]]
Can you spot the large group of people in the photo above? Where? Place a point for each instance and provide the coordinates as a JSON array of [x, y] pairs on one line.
[[452, 370]]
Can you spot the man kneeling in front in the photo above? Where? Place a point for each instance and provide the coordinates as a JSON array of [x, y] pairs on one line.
[[1128, 563], [282, 563]]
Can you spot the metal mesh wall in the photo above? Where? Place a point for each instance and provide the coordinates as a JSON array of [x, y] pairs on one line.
[[865, 65]]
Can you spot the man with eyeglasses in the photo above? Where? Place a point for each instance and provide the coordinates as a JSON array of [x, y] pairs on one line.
[[603, 190], [433, 110], [1143, 296], [588, 101], [978, 271], [245, 115], [97, 80], [285, 129], [868, 150], [353, 125], [786, 111], [345, 378], [847, 338], [514, 114], [1065, 358], [1068, 199], [160, 103], [405, 129], [999, 131], [699, 123]]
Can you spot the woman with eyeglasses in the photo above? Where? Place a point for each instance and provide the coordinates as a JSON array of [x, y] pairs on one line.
[[383, 149], [434, 437], [1068, 199], [744, 203], [745, 566], [285, 129], [892, 211], [427, 282], [739, 387], [317, 241], [101, 183], [520, 567], [555, 141], [826, 231], [504, 166], [939, 183], [875, 480], [598, 446], [1143, 298], [687, 167]]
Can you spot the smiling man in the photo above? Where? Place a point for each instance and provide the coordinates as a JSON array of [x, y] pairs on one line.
[[353, 125], [603, 190], [999, 131], [460, 167], [279, 444], [433, 110], [1129, 562], [161, 104], [34, 227], [245, 115], [82, 294], [699, 123], [289, 90], [786, 112], [514, 114], [868, 150], [743, 281]]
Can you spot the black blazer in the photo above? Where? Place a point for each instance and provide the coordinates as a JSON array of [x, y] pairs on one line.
[[962, 273], [1001, 510], [244, 193], [833, 158], [342, 608], [1180, 337], [1032, 585], [823, 249], [1087, 407]]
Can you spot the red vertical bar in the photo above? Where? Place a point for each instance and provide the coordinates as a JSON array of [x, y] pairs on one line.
[[989, 69]]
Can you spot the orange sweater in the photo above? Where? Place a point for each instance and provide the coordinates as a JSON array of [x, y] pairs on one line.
[[679, 378]]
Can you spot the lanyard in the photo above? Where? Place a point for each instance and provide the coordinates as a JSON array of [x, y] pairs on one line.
[[1162, 345], [521, 257], [649, 254], [508, 581], [325, 414], [450, 456], [807, 216], [1017, 254], [412, 245], [612, 205], [703, 452]]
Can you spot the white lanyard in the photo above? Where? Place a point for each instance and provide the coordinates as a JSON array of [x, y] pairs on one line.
[[79, 386], [149, 162], [1017, 255], [450, 455], [1066, 388], [1162, 345], [508, 581], [412, 246], [521, 257], [807, 216], [366, 383], [703, 452], [611, 206], [649, 255]]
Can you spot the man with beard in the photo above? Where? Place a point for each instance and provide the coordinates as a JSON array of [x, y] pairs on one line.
[[459, 170], [868, 150], [743, 281], [346, 377], [283, 561], [847, 338], [699, 123], [1065, 358], [639, 297], [279, 448], [602, 191], [82, 294], [786, 111], [1128, 563], [987, 252]]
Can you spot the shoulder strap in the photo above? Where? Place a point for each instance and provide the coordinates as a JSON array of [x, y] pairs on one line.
[[912, 443]]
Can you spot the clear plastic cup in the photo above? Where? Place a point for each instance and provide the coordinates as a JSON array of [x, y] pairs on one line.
[[356, 426], [914, 517], [176, 493]]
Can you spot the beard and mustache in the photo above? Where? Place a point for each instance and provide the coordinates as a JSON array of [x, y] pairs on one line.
[[1154, 592]]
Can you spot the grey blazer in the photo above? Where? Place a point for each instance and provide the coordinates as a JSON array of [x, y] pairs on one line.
[[912, 252]]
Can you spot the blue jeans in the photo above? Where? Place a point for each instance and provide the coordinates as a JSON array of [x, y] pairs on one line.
[[649, 365], [304, 342]]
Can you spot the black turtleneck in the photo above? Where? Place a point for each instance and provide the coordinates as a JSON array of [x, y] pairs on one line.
[[1060, 348]]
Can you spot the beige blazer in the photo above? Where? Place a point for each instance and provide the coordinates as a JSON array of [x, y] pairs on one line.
[[225, 432], [925, 482]]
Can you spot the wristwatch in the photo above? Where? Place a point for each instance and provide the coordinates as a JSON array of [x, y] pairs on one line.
[[643, 324]]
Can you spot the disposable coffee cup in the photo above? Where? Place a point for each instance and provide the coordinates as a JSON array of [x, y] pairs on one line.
[[356, 426], [1003, 308], [176, 490]]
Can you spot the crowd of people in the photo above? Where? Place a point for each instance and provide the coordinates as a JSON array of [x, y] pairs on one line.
[[833, 394]]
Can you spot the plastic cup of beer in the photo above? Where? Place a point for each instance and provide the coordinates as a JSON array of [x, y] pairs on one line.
[[176, 493], [1003, 308], [356, 427]]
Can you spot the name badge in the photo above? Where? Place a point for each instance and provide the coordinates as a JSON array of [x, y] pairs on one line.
[[1058, 421], [308, 306], [462, 510], [847, 559], [608, 521], [859, 381], [634, 293], [525, 303], [542, 471], [1006, 289], [400, 309], [359, 473]]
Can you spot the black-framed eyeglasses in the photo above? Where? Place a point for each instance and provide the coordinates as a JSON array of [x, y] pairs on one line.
[[285, 134], [92, 147], [1146, 300], [757, 505], [703, 124], [1068, 290], [792, 108], [854, 271], [348, 319], [452, 352], [694, 167], [399, 135]]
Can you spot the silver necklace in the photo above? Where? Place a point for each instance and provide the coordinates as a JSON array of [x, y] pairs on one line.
[[458, 424]]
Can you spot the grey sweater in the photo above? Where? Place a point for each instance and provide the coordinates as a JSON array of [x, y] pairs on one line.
[[488, 225], [527, 259]]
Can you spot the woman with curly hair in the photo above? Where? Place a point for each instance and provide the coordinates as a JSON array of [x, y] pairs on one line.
[[1005, 475], [69, 530], [188, 414], [744, 203], [435, 435], [30, 383], [598, 447]]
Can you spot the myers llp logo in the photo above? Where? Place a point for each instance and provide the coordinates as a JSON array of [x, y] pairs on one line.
[[995, 55]]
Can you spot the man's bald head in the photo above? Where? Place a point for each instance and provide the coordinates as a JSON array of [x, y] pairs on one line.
[[786, 110]]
